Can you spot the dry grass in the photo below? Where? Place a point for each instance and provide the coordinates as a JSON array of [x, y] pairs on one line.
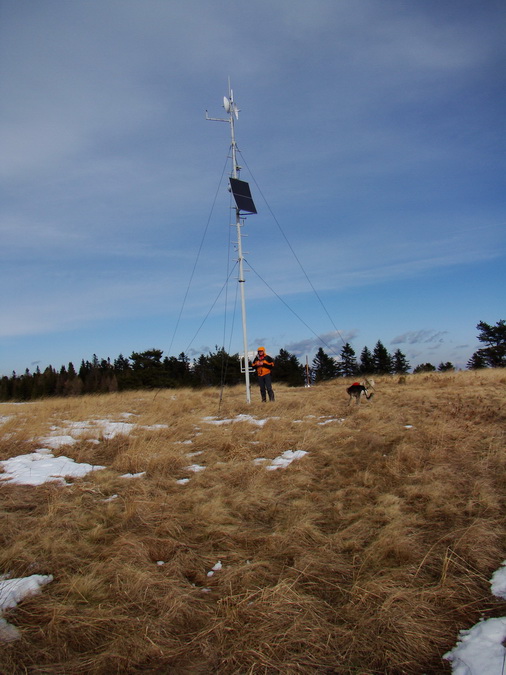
[[367, 556]]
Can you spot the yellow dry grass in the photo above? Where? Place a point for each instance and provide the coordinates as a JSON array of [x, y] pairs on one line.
[[366, 556]]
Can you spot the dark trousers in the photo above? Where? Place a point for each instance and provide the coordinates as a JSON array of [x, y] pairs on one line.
[[265, 383]]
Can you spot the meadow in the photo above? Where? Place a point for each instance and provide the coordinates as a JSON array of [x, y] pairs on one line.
[[366, 555]]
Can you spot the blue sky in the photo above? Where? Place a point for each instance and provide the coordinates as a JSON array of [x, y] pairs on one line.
[[371, 131]]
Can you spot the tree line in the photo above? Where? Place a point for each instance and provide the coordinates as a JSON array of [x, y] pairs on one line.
[[151, 370]]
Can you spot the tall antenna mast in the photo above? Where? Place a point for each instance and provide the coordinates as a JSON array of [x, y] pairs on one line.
[[244, 202]]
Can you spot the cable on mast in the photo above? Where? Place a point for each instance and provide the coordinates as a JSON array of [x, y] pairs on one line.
[[296, 258]]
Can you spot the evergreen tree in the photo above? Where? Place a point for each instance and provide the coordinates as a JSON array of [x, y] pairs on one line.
[[494, 354], [323, 367], [5, 389], [178, 370], [288, 369], [24, 386], [123, 373], [383, 363], [366, 362], [147, 369], [477, 361], [49, 380], [37, 389], [348, 366], [217, 368], [184, 371], [121, 364], [445, 367], [401, 365], [148, 360], [425, 368], [73, 385], [84, 370], [61, 381]]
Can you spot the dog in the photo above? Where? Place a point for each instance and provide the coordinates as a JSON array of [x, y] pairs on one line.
[[358, 390]]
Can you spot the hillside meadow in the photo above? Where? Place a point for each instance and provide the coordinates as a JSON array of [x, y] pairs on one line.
[[365, 555]]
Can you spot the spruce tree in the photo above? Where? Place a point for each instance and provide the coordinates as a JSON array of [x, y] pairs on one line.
[[445, 367], [348, 365], [121, 364], [217, 368], [401, 365], [366, 362], [288, 369], [383, 363], [323, 366]]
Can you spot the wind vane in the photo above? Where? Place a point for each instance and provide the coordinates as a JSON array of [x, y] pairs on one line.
[[244, 204]]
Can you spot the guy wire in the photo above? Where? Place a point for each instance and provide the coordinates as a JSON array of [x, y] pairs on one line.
[[291, 310], [294, 255], [198, 255]]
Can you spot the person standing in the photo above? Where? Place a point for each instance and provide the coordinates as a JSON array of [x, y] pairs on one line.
[[264, 364]]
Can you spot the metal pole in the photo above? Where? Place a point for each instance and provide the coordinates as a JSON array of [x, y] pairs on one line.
[[241, 280], [233, 112]]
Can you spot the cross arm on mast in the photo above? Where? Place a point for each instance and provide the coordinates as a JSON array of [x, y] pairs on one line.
[[215, 119]]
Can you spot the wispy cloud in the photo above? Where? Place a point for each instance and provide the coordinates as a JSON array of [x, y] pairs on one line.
[[423, 336], [331, 342]]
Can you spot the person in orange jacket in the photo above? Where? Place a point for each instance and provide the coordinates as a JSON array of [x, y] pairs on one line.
[[264, 364]]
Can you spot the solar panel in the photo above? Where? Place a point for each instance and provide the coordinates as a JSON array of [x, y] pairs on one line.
[[242, 195]]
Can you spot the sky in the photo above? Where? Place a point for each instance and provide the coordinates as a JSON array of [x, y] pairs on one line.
[[479, 650], [371, 133]]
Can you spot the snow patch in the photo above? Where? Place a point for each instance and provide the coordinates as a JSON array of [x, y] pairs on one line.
[[42, 466], [480, 650], [12, 592], [285, 459], [240, 418], [498, 582]]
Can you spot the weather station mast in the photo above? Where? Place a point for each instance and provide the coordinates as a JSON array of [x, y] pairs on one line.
[[244, 205]]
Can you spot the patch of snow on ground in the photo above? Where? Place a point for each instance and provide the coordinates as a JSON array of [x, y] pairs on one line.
[[214, 569], [239, 418], [195, 468], [283, 460], [498, 582], [105, 428], [331, 419], [42, 466], [58, 441], [480, 650], [12, 591]]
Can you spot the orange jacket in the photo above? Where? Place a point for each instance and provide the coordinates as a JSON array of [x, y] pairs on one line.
[[263, 366]]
